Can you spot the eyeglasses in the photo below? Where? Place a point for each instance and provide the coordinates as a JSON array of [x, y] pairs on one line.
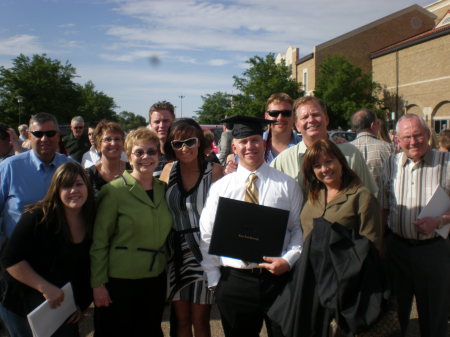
[[178, 144], [40, 134], [276, 113], [149, 152], [78, 127], [417, 138], [110, 139]]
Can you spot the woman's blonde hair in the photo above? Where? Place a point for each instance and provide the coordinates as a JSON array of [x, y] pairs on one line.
[[140, 135]]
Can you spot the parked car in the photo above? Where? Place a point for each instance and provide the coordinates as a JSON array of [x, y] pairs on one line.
[[348, 135]]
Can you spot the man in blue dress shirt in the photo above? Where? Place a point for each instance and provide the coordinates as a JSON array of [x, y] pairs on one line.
[[26, 177]]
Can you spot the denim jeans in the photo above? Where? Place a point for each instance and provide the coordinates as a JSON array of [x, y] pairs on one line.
[[17, 325]]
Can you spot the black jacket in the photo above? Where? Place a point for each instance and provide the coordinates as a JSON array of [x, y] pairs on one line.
[[339, 275]]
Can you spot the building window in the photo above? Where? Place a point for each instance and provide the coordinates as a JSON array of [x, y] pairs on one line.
[[441, 124], [305, 80]]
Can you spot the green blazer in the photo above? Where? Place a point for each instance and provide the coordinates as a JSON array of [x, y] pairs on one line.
[[130, 231]]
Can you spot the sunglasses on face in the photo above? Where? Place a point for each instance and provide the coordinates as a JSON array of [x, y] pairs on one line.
[[149, 152], [40, 134], [276, 113], [178, 144], [78, 127]]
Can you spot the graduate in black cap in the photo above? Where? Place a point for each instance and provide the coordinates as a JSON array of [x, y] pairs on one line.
[[244, 291], [243, 126]]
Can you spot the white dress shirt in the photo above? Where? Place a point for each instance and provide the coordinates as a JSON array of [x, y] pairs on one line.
[[92, 157], [275, 189]]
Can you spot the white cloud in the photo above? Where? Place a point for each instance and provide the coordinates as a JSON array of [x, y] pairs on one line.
[[70, 44], [218, 62], [25, 44], [66, 25], [246, 25], [123, 77]]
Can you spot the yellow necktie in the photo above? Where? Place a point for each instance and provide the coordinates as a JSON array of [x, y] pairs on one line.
[[251, 191]]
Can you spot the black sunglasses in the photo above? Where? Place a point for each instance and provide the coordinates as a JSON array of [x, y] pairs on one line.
[[40, 134], [276, 113], [149, 152], [178, 144]]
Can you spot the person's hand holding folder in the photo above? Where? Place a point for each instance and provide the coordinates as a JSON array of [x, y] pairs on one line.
[[52, 294], [275, 265]]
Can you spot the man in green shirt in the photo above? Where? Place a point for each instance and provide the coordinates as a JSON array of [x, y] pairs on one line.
[[311, 119], [77, 142]]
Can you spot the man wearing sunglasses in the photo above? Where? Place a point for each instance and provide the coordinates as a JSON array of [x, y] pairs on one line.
[[280, 134], [311, 119], [77, 142], [26, 176]]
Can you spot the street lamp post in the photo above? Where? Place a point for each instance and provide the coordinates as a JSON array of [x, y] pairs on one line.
[[181, 99], [19, 101]]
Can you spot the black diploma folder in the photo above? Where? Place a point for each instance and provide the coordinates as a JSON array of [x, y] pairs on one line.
[[247, 231]]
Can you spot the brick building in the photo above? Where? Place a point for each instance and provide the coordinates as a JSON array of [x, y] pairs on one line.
[[407, 51]]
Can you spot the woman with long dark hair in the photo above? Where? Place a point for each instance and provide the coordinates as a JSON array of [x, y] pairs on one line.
[[189, 178], [339, 284], [49, 248]]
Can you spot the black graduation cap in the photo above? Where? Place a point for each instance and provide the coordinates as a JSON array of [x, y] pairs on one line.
[[245, 126]]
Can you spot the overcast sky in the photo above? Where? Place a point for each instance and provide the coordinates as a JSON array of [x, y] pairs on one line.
[[142, 51]]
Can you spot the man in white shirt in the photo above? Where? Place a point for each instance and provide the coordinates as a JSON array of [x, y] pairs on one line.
[[244, 291], [92, 156]]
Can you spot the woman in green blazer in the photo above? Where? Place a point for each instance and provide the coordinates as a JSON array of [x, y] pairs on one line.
[[128, 254]]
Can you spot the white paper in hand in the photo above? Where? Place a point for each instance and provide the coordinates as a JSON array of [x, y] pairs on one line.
[[44, 321], [438, 205]]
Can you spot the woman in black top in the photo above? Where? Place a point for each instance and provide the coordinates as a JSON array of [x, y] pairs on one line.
[[49, 248]]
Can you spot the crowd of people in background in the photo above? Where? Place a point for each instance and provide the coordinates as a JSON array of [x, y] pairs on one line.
[[127, 217]]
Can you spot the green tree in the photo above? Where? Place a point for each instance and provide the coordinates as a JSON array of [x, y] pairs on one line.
[[263, 78], [215, 107], [130, 121], [94, 105], [344, 89], [45, 84]]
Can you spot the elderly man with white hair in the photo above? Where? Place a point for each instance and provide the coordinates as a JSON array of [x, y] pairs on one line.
[[417, 250]]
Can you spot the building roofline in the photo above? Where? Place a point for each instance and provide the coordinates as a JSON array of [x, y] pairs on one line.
[[418, 39], [374, 24], [305, 58], [437, 5]]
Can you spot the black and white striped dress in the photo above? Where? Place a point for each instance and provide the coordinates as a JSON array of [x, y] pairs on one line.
[[187, 281]]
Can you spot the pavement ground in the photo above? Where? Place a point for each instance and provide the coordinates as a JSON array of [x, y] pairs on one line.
[[86, 326], [216, 326]]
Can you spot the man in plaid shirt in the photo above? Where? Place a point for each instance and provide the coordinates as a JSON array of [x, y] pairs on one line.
[[374, 150]]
